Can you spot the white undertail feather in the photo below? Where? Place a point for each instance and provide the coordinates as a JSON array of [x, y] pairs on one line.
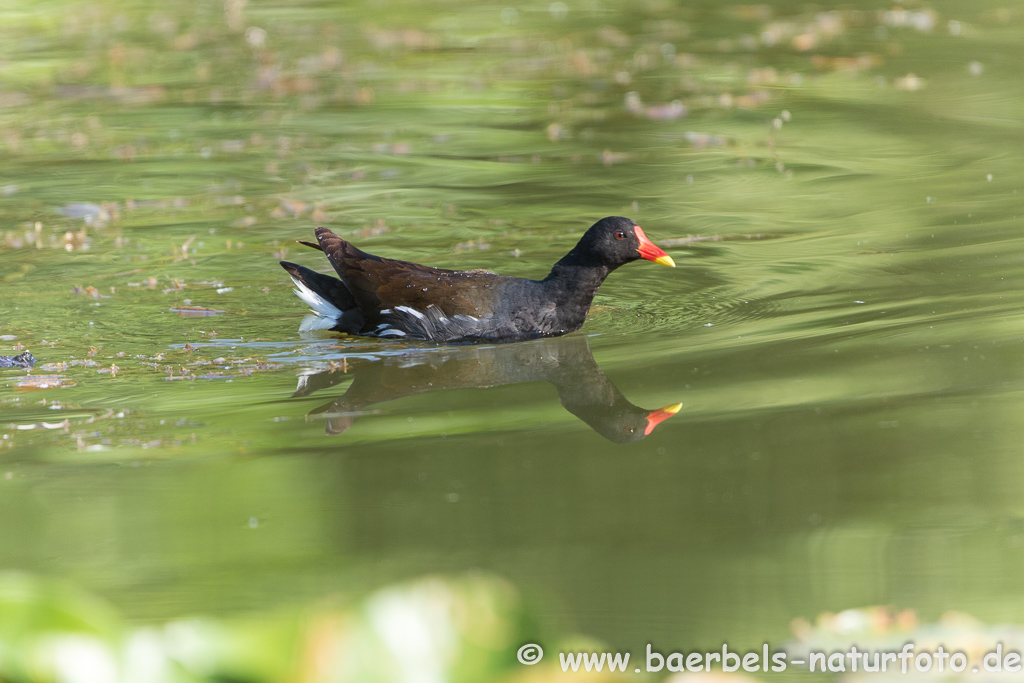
[[326, 314], [311, 323]]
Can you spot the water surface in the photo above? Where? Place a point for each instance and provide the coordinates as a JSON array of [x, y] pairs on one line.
[[839, 186]]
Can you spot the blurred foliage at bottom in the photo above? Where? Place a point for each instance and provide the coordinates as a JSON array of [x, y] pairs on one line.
[[433, 629]]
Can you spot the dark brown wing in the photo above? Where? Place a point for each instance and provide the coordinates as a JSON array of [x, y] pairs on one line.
[[380, 283]]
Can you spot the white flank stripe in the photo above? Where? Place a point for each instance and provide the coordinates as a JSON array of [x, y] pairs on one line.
[[391, 332], [410, 311]]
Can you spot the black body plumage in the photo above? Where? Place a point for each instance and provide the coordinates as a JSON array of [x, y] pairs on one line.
[[383, 297]]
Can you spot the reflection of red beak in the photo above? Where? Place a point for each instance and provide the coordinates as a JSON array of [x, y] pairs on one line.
[[655, 417], [650, 251]]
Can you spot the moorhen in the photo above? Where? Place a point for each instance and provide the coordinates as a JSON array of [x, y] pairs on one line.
[[567, 363], [382, 297]]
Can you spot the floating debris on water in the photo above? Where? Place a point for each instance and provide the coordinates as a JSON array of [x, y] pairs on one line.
[[22, 360], [90, 290], [195, 311], [92, 214], [177, 286], [910, 83], [703, 140], [472, 245], [41, 382], [289, 207], [63, 424], [658, 112], [112, 370]]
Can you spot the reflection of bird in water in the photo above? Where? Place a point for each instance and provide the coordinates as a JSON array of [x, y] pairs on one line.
[[567, 363]]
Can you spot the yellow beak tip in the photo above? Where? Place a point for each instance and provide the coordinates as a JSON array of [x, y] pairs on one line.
[[666, 260], [673, 409]]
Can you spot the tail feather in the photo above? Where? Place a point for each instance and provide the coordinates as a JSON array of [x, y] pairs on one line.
[[333, 305]]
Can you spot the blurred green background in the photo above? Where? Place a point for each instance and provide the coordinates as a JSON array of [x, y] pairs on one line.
[[838, 183]]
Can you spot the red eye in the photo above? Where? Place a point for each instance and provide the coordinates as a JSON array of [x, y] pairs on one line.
[[619, 235]]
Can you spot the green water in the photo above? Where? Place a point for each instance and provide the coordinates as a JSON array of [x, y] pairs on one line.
[[840, 187]]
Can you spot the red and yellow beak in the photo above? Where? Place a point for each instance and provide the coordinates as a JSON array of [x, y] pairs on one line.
[[656, 417], [651, 251]]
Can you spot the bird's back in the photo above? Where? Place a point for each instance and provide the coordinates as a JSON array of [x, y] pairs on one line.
[[398, 298]]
